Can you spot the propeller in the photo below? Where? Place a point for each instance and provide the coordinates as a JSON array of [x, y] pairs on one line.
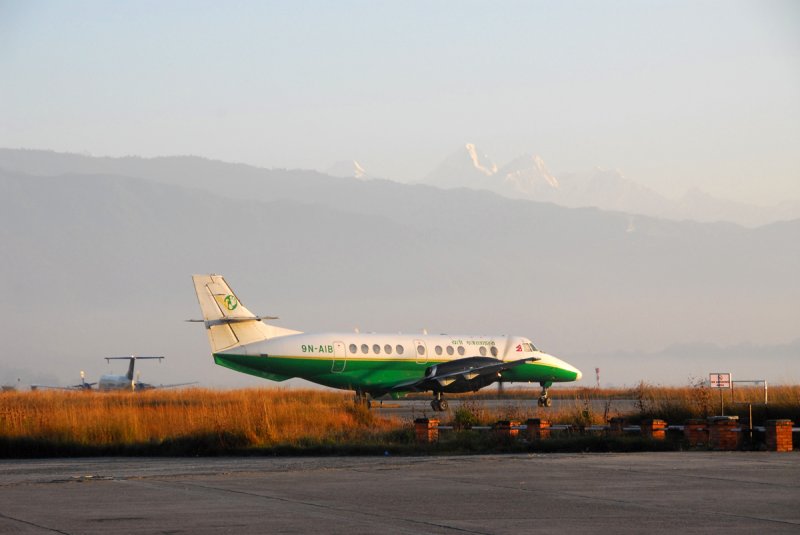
[[134, 381], [83, 384]]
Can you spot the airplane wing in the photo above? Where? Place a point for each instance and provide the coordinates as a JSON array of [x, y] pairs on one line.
[[468, 370], [147, 386], [175, 385], [84, 386]]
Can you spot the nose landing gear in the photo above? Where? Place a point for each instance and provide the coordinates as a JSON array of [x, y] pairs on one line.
[[439, 404], [544, 399]]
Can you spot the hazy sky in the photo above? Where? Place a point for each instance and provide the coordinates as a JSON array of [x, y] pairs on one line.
[[674, 94]]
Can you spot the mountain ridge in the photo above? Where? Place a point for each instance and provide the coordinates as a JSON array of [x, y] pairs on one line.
[[527, 177], [103, 253]]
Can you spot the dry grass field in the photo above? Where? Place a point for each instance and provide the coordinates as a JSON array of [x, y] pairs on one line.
[[201, 421], [237, 418]]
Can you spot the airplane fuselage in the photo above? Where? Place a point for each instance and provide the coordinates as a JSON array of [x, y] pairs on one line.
[[375, 363], [114, 382], [371, 364]]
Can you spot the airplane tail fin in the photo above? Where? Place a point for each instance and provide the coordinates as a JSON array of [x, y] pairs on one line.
[[228, 322]]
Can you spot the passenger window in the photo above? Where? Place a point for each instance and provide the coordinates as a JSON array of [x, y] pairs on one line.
[[421, 349], [364, 348], [449, 350], [438, 350], [376, 349], [399, 349], [387, 349], [461, 350], [353, 349], [483, 351], [493, 350]]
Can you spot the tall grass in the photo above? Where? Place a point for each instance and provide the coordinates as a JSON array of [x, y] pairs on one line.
[[198, 421], [242, 418]]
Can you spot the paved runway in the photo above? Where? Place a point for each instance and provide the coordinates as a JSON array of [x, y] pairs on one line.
[[690, 492]]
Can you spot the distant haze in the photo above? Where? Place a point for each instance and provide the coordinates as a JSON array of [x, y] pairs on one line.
[[676, 96], [98, 254]]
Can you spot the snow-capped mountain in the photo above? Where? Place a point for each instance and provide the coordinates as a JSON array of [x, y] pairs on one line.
[[347, 169], [466, 168], [527, 177]]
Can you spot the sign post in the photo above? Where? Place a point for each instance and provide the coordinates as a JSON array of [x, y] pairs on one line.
[[720, 381]]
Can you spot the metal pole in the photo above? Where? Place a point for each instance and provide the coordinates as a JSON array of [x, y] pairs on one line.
[[721, 403]]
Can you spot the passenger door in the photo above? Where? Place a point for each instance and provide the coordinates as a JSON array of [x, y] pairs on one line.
[[339, 357]]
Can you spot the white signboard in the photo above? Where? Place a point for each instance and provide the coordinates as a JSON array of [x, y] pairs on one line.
[[719, 380]]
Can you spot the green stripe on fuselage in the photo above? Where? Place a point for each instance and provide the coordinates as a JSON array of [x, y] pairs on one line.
[[369, 373], [246, 365]]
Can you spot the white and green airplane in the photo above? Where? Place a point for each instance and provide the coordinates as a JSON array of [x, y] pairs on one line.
[[371, 364]]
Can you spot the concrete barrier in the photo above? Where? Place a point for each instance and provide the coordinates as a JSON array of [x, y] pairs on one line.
[[506, 429], [616, 426], [538, 429], [724, 433], [778, 435], [654, 429], [695, 432], [427, 430]]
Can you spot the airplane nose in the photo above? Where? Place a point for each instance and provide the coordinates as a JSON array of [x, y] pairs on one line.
[[578, 375]]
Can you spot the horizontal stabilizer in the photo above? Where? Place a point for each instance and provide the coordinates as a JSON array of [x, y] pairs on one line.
[[221, 321], [131, 357]]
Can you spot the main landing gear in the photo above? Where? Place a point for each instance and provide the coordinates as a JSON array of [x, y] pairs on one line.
[[362, 399], [439, 404], [544, 399]]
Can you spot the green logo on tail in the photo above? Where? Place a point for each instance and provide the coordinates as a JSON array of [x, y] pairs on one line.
[[231, 302]]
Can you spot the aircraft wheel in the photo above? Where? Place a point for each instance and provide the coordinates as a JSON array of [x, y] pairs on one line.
[[548, 402], [443, 405], [435, 405]]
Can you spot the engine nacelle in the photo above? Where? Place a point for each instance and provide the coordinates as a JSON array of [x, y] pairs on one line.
[[458, 375]]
